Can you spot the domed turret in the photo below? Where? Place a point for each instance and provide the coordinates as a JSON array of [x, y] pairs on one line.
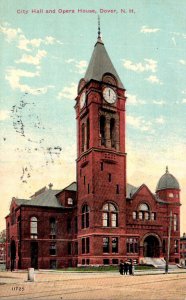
[[167, 181]]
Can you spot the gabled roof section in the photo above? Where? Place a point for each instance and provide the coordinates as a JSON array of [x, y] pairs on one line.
[[47, 198], [71, 187], [100, 63], [131, 189]]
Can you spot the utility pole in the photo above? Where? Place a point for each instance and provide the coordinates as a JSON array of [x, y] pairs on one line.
[[168, 244]]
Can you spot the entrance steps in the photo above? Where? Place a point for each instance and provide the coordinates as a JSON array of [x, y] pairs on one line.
[[158, 263]]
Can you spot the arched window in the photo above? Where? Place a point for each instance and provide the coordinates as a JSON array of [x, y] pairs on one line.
[[33, 228], [53, 227], [88, 133], [85, 216], [102, 130], [110, 215], [113, 133], [144, 212], [83, 137]]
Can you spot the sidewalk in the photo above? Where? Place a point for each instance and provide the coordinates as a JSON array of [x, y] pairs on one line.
[[57, 285], [21, 276]]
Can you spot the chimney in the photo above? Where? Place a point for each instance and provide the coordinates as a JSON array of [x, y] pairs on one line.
[[50, 186]]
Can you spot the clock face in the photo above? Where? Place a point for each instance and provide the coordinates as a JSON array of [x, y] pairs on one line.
[[82, 99], [109, 95]]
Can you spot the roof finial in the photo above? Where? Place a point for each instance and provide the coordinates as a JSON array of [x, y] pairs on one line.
[[167, 170], [99, 30]]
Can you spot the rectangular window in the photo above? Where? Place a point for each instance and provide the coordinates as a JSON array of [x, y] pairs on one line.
[[83, 245], [114, 220], [115, 245], [140, 215], [76, 224], [115, 261], [76, 248], [117, 188], [105, 245], [109, 177], [106, 261], [101, 166], [176, 246], [132, 245], [53, 249], [147, 216], [175, 222], [134, 215], [84, 180], [88, 188], [105, 219], [87, 245]]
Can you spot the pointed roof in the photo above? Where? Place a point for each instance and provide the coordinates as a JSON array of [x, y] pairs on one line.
[[100, 63]]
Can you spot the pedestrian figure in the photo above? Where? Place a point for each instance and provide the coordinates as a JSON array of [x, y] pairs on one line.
[[130, 267], [121, 267], [126, 266]]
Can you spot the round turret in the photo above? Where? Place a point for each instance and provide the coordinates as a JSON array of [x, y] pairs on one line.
[[167, 181]]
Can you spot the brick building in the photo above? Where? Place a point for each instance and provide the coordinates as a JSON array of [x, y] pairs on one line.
[[101, 218], [183, 250], [2, 247]]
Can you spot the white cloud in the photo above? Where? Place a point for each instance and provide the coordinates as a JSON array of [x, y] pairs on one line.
[[179, 34], [17, 35], [24, 43], [148, 65], [79, 65], [4, 115], [159, 102], [28, 45], [14, 76], [145, 29], [183, 62], [68, 92], [10, 33], [34, 60], [153, 79], [160, 120], [134, 100], [139, 123], [184, 100]]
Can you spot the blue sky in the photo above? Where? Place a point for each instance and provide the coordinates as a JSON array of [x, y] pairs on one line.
[[43, 56]]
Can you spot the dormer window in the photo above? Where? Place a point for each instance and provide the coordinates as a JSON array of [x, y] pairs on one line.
[[70, 201]]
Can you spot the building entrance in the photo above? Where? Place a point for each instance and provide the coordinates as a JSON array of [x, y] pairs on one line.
[[151, 247], [34, 255]]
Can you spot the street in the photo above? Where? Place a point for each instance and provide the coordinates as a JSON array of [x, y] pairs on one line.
[[102, 285]]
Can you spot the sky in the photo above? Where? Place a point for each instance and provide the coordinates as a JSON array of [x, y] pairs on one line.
[[44, 54]]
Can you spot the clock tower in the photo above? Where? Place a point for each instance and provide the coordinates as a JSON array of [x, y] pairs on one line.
[[101, 162]]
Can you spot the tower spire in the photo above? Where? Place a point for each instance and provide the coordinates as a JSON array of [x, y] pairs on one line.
[[99, 29], [167, 169]]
